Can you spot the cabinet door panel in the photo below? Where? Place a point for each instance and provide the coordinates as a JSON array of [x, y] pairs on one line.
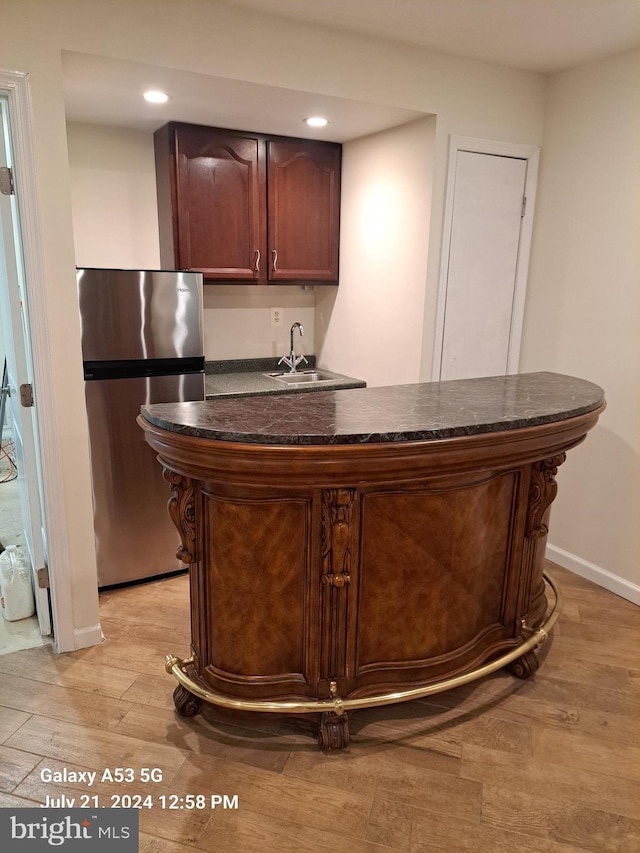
[[256, 571], [219, 199], [463, 586], [303, 192]]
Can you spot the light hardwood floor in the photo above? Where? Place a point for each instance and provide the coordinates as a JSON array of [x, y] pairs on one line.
[[550, 765]]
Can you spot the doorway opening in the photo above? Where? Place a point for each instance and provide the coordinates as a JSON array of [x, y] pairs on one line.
[[24, 632], [25, 619]]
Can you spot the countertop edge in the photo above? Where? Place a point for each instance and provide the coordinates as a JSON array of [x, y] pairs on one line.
[[238, 428], [365, 438]]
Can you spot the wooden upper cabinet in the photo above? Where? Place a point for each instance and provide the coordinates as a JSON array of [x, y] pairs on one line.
[[214, 197], [303, 198], [245, 207]]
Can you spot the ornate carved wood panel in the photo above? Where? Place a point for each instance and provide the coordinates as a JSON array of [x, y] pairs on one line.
[[542, 492], [338, 555], [183, 512]]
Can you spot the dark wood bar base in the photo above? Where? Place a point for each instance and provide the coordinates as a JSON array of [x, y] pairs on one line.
[[348, 571], [334, 731], [525, 666], [187, 705]]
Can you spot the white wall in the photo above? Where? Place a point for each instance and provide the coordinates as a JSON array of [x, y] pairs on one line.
[[237, 321], [582, 314], [469, 98], [371, 326], [113, 197]]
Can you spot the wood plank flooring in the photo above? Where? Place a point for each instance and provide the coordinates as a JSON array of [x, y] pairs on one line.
[[550, 765]]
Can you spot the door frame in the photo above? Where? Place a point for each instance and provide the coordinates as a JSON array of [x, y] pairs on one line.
[[18, 365], [531, 154], [15, 87]]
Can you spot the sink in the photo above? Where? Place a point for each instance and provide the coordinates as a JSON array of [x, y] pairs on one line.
[[301, 378]]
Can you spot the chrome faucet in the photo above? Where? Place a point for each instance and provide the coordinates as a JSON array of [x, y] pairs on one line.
[[292, 360]]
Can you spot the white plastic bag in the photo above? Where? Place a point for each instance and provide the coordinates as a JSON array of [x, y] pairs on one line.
[[16, 590]]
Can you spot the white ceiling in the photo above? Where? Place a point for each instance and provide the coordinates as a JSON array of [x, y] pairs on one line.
[[538, 35], [535, 35], [107, 91]]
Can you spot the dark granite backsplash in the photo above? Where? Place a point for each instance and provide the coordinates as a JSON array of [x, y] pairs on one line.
[[251, 365]]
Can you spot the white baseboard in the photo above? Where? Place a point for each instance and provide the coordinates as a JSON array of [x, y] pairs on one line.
[[602, 577], [89, 636]]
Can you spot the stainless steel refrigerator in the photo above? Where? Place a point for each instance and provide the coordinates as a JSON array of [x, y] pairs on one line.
[[141, 343]]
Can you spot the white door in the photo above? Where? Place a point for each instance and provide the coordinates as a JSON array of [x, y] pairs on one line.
[[19, 369], [483, 272]]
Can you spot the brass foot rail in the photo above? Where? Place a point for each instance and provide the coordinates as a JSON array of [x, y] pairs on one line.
[[175, 667]]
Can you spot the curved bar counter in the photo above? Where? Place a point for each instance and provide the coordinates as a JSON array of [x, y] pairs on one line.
[[361, 547]]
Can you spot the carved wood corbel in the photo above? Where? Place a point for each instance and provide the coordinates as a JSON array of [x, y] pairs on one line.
[[335, 536], [182, 510], [542, 491]]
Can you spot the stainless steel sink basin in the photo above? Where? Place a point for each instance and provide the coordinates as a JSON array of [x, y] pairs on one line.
[[301, 378]]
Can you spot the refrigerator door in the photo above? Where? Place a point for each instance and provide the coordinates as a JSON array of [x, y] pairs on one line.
[[135, 538], [140, 314]]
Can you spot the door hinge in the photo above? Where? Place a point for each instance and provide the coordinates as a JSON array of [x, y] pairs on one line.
[[6, 181], [524, 206], [43, 578], [26, 395]]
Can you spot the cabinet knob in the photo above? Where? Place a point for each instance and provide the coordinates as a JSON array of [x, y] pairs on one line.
[[256, 267], [275, 260]]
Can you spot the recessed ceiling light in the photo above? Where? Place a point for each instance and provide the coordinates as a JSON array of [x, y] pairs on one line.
[[316, 121], [156, 97]]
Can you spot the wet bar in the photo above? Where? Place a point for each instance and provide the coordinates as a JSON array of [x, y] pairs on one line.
[[361, 547]]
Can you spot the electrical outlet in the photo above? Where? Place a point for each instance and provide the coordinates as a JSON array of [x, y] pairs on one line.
[[276, 317]]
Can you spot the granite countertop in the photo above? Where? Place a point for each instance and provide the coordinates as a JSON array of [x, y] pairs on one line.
[[246, 377], [426, 411]]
